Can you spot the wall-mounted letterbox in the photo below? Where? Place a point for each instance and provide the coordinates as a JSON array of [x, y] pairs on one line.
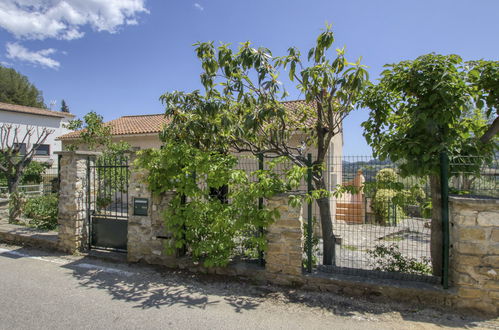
[[140, 206]]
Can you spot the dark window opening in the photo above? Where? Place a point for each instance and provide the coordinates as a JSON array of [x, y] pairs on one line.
[[42, 149]]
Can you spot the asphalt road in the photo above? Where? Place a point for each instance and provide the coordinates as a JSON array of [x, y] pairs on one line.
[[40, 290]]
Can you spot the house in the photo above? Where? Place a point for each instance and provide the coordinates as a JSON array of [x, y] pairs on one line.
[[142, 132], [25, 117]]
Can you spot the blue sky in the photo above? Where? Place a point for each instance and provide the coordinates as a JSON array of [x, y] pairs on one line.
[[118, 57]]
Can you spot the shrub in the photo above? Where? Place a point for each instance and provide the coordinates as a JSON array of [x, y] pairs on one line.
[[33, 173], [390, 259], [42, 211], [385, 210], [386, 175], [390, 198]]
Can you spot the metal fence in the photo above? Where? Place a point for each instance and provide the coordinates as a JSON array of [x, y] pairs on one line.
[[46, 183], [474, 176], [381, 221]]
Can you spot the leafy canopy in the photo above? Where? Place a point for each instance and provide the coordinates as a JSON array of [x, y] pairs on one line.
[[242, 110], [15, 88], [422, 107], [210, 227]]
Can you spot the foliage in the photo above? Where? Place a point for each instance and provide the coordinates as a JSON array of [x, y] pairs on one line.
[[13, 162], [33, 172], [314, 242], [15, 88], [209, 226], [433, 104], [390, 259], [93, 131], [64, 107], [241, 109], [386, 175], [385, 210], [423, 107], [103, 202], [42, 211], [390, 197]]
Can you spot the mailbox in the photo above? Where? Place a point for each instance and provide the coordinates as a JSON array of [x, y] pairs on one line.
[[140, 206]]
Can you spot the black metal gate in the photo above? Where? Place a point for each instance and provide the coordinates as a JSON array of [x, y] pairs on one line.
[[107, 206]]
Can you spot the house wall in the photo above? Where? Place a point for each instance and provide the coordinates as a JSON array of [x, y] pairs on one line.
[[25, 120]]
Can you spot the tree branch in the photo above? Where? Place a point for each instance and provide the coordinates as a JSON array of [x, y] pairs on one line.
[[492, 131]]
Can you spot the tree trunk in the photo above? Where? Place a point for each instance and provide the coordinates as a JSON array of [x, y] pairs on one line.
[[436, 225], [15, 202], [328, 239]]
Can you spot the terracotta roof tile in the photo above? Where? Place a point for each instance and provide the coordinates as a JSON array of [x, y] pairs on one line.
[[149, 124], [34, 111], [129, 125]]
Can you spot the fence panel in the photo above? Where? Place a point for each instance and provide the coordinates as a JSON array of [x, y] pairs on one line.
[[381, 221]]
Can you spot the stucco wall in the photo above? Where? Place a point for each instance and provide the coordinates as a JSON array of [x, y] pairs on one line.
[[24, 120]]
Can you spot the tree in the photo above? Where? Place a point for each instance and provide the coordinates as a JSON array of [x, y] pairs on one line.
[[64, 106], [15, 88], [484, 76], [93, 132], [17, 149], [421, 108], [241, 109]]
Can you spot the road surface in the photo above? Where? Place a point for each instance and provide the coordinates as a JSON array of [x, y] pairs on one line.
[[42, 290]]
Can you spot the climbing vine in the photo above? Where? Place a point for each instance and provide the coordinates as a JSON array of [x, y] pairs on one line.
[[208, 226]]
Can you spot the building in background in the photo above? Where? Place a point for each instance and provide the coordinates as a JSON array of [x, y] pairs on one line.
[[25, 117]]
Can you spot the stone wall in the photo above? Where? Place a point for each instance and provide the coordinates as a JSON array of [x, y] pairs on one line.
[[285, 240], [474, 257], [146, 234], [73, 217], [474, 266]]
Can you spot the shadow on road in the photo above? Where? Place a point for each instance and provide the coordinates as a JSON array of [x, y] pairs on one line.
[[148, 287]]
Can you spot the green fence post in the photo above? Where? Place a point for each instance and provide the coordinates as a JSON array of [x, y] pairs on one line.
[[444, 182], [261, 259], [309, 214]]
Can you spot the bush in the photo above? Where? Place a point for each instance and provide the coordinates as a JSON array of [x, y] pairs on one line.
[[390, 259], [390, 198], [42, 211], [386, 175], [33, 173], [385, 210]]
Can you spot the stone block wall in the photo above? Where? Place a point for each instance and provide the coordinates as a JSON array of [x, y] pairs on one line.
[[146, 234], [72, 218], [285, 239], [474, 253]]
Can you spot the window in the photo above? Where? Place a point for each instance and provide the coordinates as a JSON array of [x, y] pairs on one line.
[[21, 147], [42, 149]]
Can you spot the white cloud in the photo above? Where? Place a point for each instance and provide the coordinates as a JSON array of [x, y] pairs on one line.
[[63, 19], [17, 52], [198, 6]]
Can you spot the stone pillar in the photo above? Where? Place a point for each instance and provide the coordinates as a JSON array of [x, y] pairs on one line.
[[73, 214], [474, 253], [285, 239], [146, 234]]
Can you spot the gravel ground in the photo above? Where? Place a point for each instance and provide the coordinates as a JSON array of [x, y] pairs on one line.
[[157, 288], [410, 235]]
